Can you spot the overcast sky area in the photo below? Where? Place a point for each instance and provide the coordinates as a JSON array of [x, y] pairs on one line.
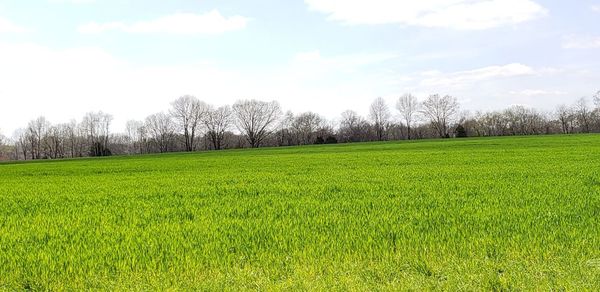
[[131, 58]]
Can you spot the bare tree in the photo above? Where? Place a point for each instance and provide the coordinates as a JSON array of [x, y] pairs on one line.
[[2, 143], [256, 119], [409, 107], [189, 112], [524, 121], [583, 114], [18, 151], [20, 136], [596, 112], [71, 138], [79, 139], [161, 129], [97, 128], [142, 133], [55, 141], [349, 119], [353, 127], [566, 118], [325, 132], [440, 111], [305, 126], [136, 136], [491, 124], [380, 117], [217, 122], [36, 133], [516, 116], [284, 132]]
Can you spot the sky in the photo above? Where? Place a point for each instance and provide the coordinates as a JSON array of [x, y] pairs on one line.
[[131, 58]]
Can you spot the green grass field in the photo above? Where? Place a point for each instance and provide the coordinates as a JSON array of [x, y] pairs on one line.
[[475, 214]]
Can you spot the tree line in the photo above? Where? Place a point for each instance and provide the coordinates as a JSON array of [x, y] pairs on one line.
[[193, 125]]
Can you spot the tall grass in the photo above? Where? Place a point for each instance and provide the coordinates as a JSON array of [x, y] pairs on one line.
[[477, 214]]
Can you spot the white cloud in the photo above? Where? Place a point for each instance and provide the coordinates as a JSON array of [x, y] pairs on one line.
[[180, 23], [455, 14], [64, 84], [314, 64], [69, 83], [537, 92], [596, 8], [7, 26], [436, 78], [94, 27], [581, 42]]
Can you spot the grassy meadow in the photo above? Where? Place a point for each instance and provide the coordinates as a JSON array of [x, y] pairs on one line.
[[476, 214]]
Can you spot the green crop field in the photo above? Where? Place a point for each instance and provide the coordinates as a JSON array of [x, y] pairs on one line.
[[478, 214]]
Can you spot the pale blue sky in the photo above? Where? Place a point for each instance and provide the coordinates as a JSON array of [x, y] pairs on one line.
[[61, 58]]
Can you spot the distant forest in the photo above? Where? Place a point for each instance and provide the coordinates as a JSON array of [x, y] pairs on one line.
[[193, 125]]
